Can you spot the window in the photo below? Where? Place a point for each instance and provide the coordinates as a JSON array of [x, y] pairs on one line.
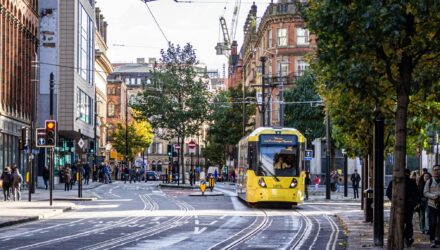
[[111, 109], [302, 36], [302, 66], [84, 107], [283, 68], [85, 59], [269, 38], [114, 91], [127, 81], [282, 37]]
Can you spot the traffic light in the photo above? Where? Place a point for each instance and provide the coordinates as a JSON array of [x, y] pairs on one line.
[[170, 150], [51, 133], [22, 141]]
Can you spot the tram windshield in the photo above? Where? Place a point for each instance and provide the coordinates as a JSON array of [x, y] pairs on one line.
[[278, 155]]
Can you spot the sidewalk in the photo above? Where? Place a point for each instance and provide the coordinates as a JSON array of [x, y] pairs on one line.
[[15, 212], [360, 233]]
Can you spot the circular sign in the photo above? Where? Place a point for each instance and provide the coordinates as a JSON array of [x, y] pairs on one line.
[[176, 146], [192, 144]]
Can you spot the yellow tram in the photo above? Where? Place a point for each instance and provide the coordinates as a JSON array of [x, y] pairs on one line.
[[271, 166]]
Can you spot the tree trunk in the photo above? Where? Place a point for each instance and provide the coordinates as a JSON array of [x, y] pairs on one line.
[[370, 163], [395, 237]]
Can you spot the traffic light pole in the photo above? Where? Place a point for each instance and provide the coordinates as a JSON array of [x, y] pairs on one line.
[[79, 168], [51, 93], [327, 155]]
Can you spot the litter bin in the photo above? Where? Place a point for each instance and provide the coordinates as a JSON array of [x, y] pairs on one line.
[[368, 209]]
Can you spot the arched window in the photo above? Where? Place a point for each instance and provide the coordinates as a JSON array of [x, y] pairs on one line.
[[111, 109]]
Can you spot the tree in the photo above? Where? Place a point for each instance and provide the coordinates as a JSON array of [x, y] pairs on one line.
[[178, 102], [140, 136], [226, 122], [305, 117], [372, 47]]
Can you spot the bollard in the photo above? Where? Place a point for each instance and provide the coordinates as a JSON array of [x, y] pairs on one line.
[[368, 210]]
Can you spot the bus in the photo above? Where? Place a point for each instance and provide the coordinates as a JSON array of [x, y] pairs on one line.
[[271, 166]]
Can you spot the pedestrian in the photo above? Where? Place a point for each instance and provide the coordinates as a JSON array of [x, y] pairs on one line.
[[432, 193], [86, 173], [67, 178], [306, 185], [414, 175], [46, 175], [215, 175], [423, 206], [16, 184], [412, 198], [106, 172], [126, 174], [333, 180], [355, 180], [6, 179], [317, 181], [116, 172]]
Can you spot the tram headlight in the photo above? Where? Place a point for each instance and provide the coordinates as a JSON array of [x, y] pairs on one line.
[[294, 183], [262, 183]]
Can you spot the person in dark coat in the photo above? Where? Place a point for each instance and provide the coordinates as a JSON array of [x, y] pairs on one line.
[[46, 175], [412, 199], [86, 171], [355, 180], [6, 178], [307, 182]]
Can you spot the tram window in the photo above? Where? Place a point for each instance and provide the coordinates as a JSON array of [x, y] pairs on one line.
[[279, 160]]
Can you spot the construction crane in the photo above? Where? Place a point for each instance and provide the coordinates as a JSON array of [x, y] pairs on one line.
[[223, 47]]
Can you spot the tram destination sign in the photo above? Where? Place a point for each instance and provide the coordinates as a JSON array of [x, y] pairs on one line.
[[279, 139]]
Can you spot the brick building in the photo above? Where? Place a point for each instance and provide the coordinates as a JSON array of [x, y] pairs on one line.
[[18, 47], [281, 38]]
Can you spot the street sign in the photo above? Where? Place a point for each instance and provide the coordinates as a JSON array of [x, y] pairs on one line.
[[308, 155], [192, 144], [176, 146], [81, 143], [40, 137]]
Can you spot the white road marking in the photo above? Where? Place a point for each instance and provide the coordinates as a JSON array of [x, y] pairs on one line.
[[197, 230]]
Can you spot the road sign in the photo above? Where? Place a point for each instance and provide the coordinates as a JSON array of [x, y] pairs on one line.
[[40, 137], [192, 144], [176, 146], [81, 143], [308, 155]]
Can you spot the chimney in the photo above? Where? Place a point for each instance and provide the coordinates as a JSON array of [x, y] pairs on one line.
[[152, 60], [140, 60]]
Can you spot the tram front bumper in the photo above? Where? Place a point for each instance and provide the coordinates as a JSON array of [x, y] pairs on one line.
[[277, 195]]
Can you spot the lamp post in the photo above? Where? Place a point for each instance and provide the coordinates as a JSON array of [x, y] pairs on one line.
[[263, 86], [126, 126]]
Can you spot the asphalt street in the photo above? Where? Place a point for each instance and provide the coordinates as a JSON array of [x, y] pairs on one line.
[[145, 216]]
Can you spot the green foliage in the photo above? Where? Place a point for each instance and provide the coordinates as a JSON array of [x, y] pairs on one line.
[[226, 126], [386, 53], [178, 102], [140, 136], [306, 118]]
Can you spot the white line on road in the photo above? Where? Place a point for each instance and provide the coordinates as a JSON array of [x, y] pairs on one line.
[[199, 231]]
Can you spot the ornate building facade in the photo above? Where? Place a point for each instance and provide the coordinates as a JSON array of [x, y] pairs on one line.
[[18, 48]]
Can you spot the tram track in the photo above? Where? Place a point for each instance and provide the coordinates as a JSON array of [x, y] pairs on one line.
[[121, 222], [145, 233], [260, 224]]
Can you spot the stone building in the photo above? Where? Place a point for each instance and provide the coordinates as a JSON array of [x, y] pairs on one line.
[[103, 68], [18, 47], [67, 49]]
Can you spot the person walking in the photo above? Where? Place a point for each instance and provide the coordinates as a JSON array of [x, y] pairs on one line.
[[411, 201], [126, 174], [306, 185], [6, 179], [423, 206], [46, 175], [432, 193], [16, 184], [317, 181], [355, 180], [86, 171], [67, 179]]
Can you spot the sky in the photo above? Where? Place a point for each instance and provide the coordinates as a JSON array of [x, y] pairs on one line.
[[131, 24]]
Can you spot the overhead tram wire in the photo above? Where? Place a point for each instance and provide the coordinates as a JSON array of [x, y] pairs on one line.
[[157, 23]]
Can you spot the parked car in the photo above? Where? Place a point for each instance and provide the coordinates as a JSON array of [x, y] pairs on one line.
[[151, 176]]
